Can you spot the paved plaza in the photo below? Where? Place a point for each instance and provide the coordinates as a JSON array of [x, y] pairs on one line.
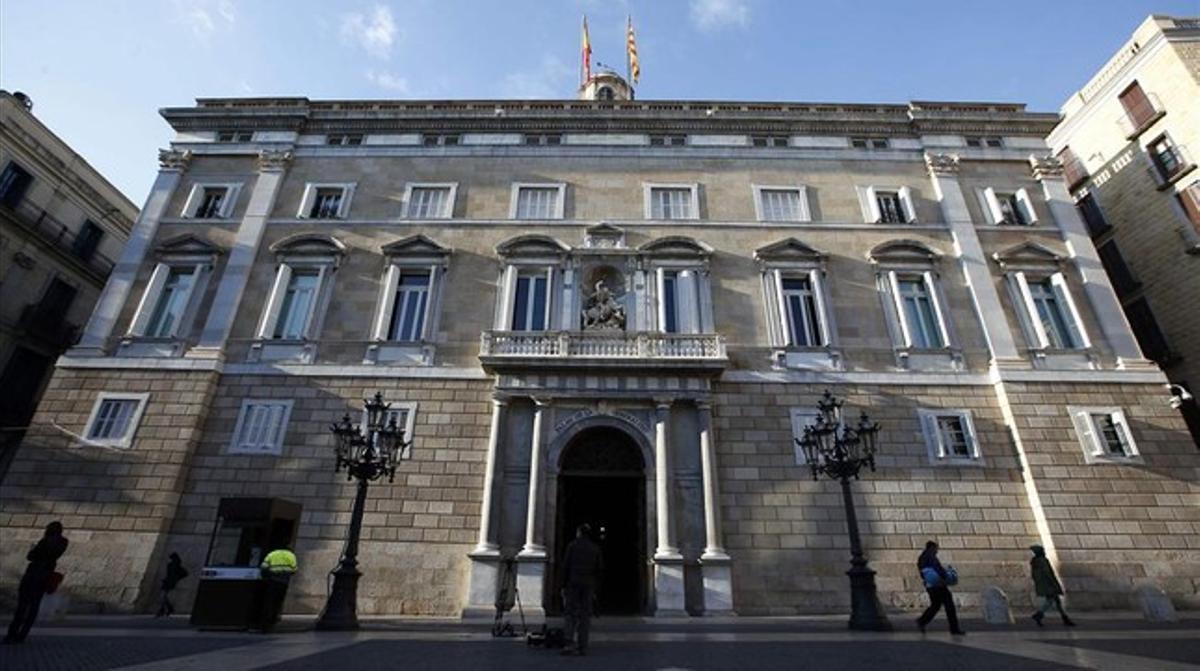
[[626, 644]]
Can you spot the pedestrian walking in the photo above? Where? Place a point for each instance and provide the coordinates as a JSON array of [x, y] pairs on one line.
[[1047, 586], [277, 569], [38, 578], [583, 568], [175, 573], [938, 581]]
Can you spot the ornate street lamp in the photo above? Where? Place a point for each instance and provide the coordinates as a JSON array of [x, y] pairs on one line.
[[366, 458], [840, 451]]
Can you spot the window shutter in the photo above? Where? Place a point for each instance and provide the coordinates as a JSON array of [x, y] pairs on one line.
[[508, 293], [1087, 430], [186, 300], [306, 203], [1041, 340], [689, 303], [661, 303], [1063, 293], [266, 326], [872, 211], [785, 330], [993, 205], [818, 288], [315, 306], [1122, 426], [1026, 205], [387, 302], [932, 429], [898, 304], [906, 200], [231, 196], [1190, 198], [193, 201], [344, 204], [549, 299], [430, 297], [158, 279], [935, 297]]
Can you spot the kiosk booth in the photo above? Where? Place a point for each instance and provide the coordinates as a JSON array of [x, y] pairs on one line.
[[230, 591]]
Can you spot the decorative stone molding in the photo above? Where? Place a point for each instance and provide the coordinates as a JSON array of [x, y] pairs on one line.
[[274, 159], [174, 159], [1044, 167], [942, 164]]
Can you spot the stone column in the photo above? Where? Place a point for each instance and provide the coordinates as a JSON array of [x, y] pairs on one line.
[[485, 558], [668, 563], [272, 164], [943, 171], [1096, 285], [531, 560], [172, 164], [714, 563]]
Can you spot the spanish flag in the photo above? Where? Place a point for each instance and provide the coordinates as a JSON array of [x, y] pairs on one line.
[[587, 53], [635, 70]]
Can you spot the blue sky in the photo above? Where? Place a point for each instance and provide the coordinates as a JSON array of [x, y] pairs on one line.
[[99, 71]]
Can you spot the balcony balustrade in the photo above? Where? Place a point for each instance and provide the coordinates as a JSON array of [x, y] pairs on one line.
[[556, 349]]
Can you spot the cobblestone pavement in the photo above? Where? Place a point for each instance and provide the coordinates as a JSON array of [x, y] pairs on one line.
[[623, 644]]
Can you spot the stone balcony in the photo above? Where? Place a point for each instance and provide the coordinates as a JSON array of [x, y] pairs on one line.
[[602, 349]]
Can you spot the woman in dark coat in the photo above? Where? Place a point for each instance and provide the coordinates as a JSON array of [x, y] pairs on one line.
[[939, 590], [175, 573], [1046, 585], [43, 559]]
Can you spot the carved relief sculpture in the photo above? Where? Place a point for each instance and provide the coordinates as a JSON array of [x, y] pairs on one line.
[[603, 312]]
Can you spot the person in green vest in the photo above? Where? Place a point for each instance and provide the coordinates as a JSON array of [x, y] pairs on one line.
[[1046, 585], [277, 569]]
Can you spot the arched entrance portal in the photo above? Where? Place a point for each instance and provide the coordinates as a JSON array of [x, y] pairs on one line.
[[601, 482]]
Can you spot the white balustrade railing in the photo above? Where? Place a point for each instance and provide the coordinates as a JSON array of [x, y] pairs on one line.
[[620, 345]]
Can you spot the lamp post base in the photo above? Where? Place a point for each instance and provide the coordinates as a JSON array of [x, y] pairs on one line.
[[865, 611], [341, 610]]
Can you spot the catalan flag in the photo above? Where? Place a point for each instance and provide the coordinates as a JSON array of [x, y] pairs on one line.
[[586, 53], [635, 69]]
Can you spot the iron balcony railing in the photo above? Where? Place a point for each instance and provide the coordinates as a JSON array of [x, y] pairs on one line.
[[46, 226]]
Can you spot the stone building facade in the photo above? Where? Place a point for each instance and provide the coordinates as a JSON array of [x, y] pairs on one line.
[[61, 225], [619, 312], [1129, 140]]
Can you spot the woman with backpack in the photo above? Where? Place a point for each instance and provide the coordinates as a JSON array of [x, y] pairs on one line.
[[938, 580], [1046, 585]]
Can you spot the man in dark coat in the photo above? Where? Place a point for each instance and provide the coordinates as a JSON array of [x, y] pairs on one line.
[[939, 590], [583, 567], [1046, 585], [43, 558], [175, 573]]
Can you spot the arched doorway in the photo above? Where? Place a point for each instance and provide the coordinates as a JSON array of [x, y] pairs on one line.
[[601, 482]]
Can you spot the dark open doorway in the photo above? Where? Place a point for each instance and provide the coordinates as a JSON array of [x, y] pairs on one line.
[[601, 482]]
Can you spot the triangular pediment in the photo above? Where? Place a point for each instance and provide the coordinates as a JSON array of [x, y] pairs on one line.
[[532, 245], [903, 251], [1028, 252], [676, 245], [187, 244], [415, 245], [788, 249]]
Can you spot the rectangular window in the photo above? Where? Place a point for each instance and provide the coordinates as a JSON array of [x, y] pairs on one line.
[[1118, 270], [1190, 199], [299, 300], [261, 427], [803, 313], [1093, 216], [1010, 210], [115, 418], [538, 202], [1073, 168], [172, 302], [769, 141], [531, 302], [671, 203], [1137, 106], [409, 308], [441, 140], [429, 202], [668, 140], [548, 139], [982, 141], [1104, 434], [781, 205], [1052, 314], [212, 200], [670, 301], [14, 181], [235, 136], [1167, 158], [87, 240], [949, 436], [919, 314], [327, 203], [344, 139], [869, 142], [891, 207]]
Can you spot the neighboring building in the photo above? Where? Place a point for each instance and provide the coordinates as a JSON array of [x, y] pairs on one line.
[[1129, 141], [61, 226], [621, 312]]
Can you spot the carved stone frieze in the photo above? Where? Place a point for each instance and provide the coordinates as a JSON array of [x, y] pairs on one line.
[[274, 159], [942, 164], [174, 159], [1044, 167]]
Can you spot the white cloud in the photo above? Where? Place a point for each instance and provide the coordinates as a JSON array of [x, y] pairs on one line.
[[374, 32], [717, 14], [389, 82], [205, 17], [551, 79]]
